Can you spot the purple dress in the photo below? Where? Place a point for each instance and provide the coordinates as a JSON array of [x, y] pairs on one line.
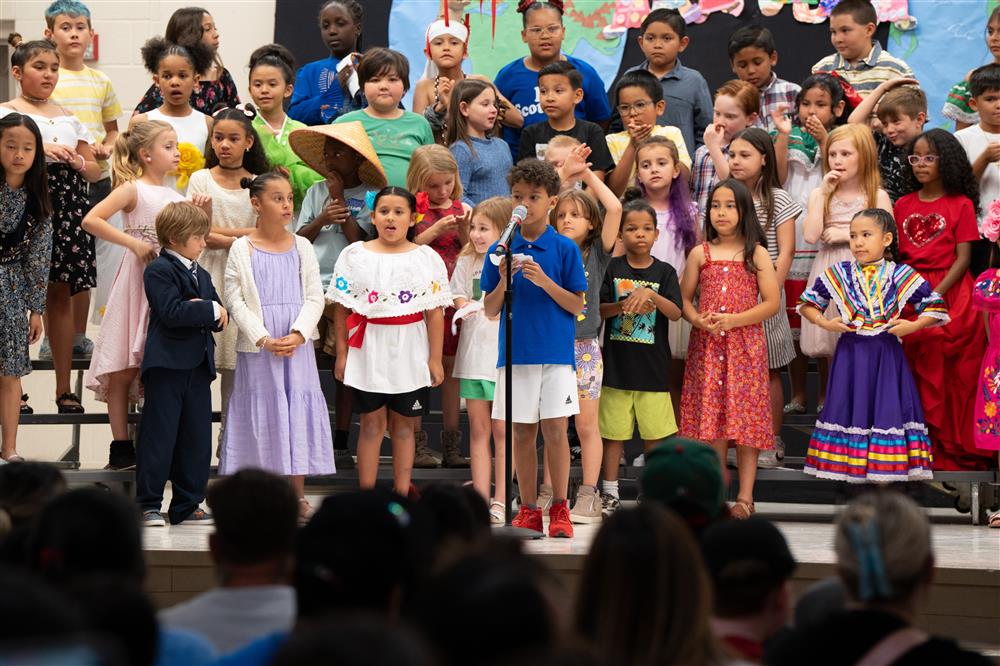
[[277, 418]]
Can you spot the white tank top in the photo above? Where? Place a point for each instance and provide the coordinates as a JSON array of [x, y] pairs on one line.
[[191, 129]]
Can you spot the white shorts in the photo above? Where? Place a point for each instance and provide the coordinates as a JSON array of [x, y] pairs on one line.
[[538, 392]]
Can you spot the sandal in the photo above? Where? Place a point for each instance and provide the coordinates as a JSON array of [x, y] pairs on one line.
[[741, 510], [994, 520], [794, 407], [13, 459], [25, 407], [66, 405]]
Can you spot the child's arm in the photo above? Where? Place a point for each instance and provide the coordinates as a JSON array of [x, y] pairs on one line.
[[312, 297], [713, 141], [785, 234], [570, 301], [770, 300], [103, 150], [812, 226], [703, 111], [989, 155], [166, 301], [95, 223], [435, 340], [783, 128], [493, 301], [90, 170], [864, 111], [689, 285], [247, 321], [463, 158], [612, 209], [815, 316], [963, 253], [446, 224], [340, 314]]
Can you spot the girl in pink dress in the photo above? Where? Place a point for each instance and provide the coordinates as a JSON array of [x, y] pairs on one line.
[[143, 155], [725, 398], [986, 297], [442, 223]]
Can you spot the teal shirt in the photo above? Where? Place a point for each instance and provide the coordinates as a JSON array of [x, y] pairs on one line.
[[394, 140]]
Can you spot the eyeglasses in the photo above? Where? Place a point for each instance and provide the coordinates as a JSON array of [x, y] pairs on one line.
[[922, 159], [638, 107], [550, 30]]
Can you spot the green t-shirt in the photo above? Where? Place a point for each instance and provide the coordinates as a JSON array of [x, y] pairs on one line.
[[394, 140]]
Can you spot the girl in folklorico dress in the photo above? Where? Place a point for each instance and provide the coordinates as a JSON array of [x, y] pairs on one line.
[[442, 224], [70, 164], [25, 252], [937, 228], [872, 425], [390, 293], [986, 297], [142, 157], [277, 416], [725, 398]]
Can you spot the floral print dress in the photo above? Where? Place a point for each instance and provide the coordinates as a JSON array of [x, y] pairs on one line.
[[986, 297]]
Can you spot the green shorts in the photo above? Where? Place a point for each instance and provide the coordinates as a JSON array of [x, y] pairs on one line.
[[476, 389], [620, 410]]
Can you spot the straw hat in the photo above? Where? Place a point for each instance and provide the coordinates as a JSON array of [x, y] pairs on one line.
[[308, 143]]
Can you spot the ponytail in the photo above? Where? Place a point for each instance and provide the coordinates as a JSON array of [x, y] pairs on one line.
[[126, 163]]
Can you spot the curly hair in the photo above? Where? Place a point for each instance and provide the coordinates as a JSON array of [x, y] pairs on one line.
[[954, 169], [537, 173], [158, 48]]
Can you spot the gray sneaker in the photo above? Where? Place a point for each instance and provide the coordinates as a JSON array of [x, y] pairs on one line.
[[544, 500], [609, 504], [45, 351], [769, 459], [587, 508], [153, 519], [83, 348]]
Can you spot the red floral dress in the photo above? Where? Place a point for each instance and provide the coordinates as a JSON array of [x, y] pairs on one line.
[[725, 392], [448, 246]]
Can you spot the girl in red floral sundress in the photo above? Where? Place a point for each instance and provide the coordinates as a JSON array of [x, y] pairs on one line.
[[442, 223], [725, 397]]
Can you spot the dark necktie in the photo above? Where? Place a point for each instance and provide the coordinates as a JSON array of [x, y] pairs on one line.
[[194, 271]]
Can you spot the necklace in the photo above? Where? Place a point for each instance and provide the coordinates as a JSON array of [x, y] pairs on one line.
[[872, 276], [279, 131], [34, 100], [232, 168]]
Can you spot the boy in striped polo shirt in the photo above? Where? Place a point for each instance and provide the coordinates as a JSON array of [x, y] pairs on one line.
[[859, 59]]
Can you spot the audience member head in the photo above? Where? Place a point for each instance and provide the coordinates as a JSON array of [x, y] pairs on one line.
[[256, 518], [450, 521], [684, 475], [658, 616], [33, 610], [25, 489], [357, 639], [115, 610], [753, 55], [356, 553]]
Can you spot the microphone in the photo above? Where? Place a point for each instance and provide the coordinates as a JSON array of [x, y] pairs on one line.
[[503, 245]]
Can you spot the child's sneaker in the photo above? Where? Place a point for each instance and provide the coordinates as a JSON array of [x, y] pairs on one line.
[[587, 507], [199, 517], [153, 519], [640, 460], [544, 497], [560, 526], [609, 504], [83, 347], [497, 515], [769, 459], [530, 519], [45, 351]]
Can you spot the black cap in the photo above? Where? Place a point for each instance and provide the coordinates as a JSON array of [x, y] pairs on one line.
[[754, 541]]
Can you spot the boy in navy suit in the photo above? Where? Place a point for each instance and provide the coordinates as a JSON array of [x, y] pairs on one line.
[[178, 366]]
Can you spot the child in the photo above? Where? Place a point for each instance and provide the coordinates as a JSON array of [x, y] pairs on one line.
[[178, 367], [737, 105], [752, 56], [639, 101], [982, 142], [986, 297], [798, 151], [483, 159], [937, 227], [543, 32], [88, 94], [385, 78], [578, 216], [548, 291], [389, 293], [560, 89], [752, 162], [194, 29], [175, 70], [323, 92], [662, 183], [272, 79], [639, 294], [860, 60], [70, 165], [475, 361], [335, 214], [569, 157], [442, 223], [851, 184], [725, 394], [958, 105], [872, 425], [234, 153], [689, 103], [24, 262], [277, 416], [143, 156], [902, 113]]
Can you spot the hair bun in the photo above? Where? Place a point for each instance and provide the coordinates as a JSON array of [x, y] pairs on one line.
[[246, 183], [15, 39], [632, 194]]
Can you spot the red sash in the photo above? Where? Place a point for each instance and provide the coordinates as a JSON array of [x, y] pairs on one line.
[[357, 323]]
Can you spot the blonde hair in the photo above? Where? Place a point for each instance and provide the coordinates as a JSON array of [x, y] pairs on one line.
[[868, 174], [497, 210], [745, 94], [126, 164], [588, 206], [429, 160], [883, 546], [178, 221], [564, 141]]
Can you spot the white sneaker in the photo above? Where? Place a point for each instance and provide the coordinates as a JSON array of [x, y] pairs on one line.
[[769, 459], [497, 516], [640, 461]]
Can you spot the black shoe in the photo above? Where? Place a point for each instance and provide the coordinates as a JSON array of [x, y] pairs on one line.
[[121, 456], [25, 407], [343, 460], [69, 403]]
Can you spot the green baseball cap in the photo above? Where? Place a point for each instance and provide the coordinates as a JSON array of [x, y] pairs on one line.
[[685, 475]]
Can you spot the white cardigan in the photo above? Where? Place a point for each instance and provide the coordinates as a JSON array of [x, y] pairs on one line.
[[243, 301]]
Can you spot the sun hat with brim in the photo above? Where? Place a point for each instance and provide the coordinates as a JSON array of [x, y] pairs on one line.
[[308, 144]]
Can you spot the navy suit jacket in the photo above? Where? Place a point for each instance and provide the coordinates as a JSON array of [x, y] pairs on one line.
[[180, 331]]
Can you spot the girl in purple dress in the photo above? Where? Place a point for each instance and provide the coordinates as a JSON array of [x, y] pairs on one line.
[[277, 417]]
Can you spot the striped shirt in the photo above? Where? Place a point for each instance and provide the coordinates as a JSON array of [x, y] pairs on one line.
[[775, 93], [867, 73], [88, 94], [703, 177]]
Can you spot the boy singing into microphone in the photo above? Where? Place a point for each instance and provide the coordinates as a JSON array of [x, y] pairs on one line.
[[548, 285]]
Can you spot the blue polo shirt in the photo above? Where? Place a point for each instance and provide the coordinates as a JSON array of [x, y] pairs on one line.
[[544, 333], [689, 103]]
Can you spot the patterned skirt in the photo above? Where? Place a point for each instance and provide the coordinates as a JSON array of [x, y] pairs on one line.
[[872, 426], [778, 335], [74, 257]]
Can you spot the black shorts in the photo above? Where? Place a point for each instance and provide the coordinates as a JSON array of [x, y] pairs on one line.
[[413, 403]]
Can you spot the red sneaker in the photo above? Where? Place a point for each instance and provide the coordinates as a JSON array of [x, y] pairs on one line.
[[529, 519], [560, 525]]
